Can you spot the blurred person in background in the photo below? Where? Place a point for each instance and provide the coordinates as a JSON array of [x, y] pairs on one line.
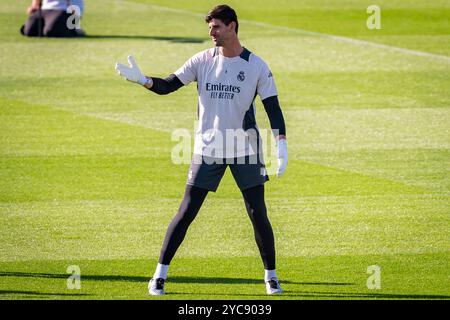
[[53, 18]]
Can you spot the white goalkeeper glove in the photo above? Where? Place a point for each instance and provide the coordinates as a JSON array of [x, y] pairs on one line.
[[282, 157], [132, 73]]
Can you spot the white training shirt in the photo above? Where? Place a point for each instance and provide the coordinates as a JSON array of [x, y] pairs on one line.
[[62, 4], [227, 88]]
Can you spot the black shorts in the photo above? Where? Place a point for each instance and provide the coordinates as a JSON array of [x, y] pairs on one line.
[[206, 172], [48, 23]]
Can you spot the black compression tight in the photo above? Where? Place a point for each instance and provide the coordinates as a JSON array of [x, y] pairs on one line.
[[256, 209], [193, 200]]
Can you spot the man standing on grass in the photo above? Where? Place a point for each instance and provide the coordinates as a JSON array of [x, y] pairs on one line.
[[228, 78]]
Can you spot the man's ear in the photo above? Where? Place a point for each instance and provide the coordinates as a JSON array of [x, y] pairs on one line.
[[232, 26]]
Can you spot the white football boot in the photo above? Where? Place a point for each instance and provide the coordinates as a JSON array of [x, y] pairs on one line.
[[156, 287], [273, 286]]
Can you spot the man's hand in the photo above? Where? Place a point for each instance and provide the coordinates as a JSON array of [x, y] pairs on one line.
[[35, 5], [132, 73], [282, 157], [32, 9]]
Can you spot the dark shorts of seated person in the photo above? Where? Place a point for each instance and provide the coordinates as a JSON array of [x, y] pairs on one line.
[[49, 23]]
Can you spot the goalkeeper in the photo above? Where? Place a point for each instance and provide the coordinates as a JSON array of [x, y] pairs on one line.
[[228, 79]]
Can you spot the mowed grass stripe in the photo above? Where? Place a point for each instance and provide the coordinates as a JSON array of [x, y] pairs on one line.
[[38, 130], [340, 278], [67, 169], [325, 19], [304, 226]]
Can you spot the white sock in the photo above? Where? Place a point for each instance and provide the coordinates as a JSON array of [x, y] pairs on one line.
[[269, 274], [161, 271]]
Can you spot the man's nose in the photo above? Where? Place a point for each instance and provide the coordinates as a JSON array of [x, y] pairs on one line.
[[211, 32]]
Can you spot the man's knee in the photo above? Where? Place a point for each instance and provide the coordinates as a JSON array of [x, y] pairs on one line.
[[22, 30], [29, 32], [32, 26]]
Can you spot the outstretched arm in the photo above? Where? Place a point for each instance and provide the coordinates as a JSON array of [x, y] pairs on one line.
[[164, 86]]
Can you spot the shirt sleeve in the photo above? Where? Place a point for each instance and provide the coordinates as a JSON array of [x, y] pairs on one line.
[[273, 109], [167, 85], [189, 71], [266, 84]]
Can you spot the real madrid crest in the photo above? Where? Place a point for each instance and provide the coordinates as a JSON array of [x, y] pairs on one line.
[[241, 76]]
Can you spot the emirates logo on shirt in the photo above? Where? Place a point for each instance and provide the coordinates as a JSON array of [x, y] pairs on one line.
[[241, 76], [222, 91]]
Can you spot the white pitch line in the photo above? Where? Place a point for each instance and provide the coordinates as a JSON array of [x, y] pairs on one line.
[[312, 33], [352, 41]]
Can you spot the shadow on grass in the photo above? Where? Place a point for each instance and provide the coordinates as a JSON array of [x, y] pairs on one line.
[[35, 293], [174, 279], [65, 276], [223, 280], [143, 37]]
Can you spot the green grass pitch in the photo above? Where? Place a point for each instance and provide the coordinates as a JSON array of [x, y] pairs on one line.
[[86, 176]]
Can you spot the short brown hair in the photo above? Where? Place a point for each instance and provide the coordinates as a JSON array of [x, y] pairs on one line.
[[224, 13]]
